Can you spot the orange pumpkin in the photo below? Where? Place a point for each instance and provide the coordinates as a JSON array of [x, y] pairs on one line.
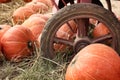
[[94, 62], [3, 29], [93, 21], [37, 7], [33, 21], [36, 15], [46, 16], [46, 2], [27, 0], [5, 1], [37, 29], [65, 33], [17, 43], [43, 16], [100, 30], [20, 14]]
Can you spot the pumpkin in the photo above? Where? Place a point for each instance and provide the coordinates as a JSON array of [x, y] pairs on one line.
[[100, 30], [46, 2], [20, 14], [93, 21], [37, 29], [43, 16], [33, 21], [65, 33], [37, 7], [94, 62], [27, 0], [5, 1], [17, 43], [46, 16], [3, 29]]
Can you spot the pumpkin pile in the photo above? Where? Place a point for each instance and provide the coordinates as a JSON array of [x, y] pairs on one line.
[[94, 62], [32, 7], [19, 41]]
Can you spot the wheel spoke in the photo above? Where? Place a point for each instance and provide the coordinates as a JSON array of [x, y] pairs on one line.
[[82, 27], [63, 41], [102, 38], [70, 27]]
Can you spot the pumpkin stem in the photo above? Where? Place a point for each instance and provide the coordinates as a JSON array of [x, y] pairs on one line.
[[74, 60], [0, 28], [30, 44]]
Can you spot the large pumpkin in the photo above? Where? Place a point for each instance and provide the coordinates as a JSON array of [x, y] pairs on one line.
[[3, 29], [100, 30], [17, 43], [94, 62], [20, 14], [37, 7]]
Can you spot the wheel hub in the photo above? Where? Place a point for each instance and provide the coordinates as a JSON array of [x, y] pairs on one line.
[[81, 43]]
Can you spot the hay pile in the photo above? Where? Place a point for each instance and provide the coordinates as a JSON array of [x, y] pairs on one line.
[[7, 9]]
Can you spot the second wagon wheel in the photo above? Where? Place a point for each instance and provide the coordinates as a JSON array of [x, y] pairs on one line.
[[70, 29]]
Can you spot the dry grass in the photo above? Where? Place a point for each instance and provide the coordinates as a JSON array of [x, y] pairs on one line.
[[6, 11], [33, 68]]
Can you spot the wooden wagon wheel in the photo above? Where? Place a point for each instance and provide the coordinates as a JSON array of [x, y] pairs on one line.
[[81, 38]]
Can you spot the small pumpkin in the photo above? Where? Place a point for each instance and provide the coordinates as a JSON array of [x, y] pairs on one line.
[[37, 29], [5, 1], [43, 16], [17, 43], [100, 30], [65, 33], [46, 16], [46, 2], [20, 14], [33, 21], [94, 62], [37, 7], [3, 29], [93, 21]]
